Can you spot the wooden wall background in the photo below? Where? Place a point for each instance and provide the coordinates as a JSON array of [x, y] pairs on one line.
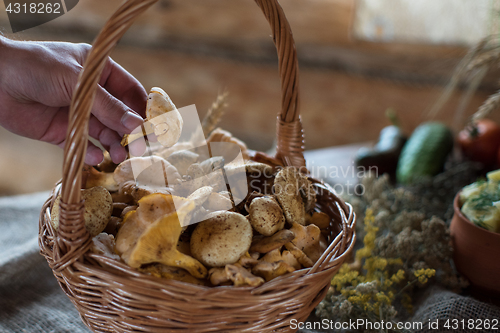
[[196, 48]]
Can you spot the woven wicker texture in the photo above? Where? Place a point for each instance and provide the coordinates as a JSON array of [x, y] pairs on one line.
[[112, 297]]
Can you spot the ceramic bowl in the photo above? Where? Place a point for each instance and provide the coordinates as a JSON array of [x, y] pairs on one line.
[[476, 252]]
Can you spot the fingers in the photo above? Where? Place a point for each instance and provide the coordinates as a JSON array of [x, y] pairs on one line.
[[113, 113], [124, 86], [109, 139], [94, 154], [118, 82]]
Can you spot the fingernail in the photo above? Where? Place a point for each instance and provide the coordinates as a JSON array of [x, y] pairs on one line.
[[131, 120]]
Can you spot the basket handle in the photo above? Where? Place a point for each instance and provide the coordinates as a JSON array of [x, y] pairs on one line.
[[72, 239]]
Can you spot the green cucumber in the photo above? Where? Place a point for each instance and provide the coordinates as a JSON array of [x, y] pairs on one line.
[[425, 153]]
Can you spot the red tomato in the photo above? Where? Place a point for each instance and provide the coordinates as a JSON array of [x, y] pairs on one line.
[[481, 141]]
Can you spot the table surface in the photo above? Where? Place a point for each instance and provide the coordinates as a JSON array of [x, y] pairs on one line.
[[335, 165], [31, 301]]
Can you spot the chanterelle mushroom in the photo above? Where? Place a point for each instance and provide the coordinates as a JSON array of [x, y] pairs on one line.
[[319, 219], [307, 240], [301, 257], [287, 190], [271, 269], [166, 119], [218, 276], [266, 216], [103, 244], [276, 241], [150, 234], [99, 178], [237, 274], [221, 239], [158, 244], [137, 192], [98, 209], [172, 273], [242, 277], [150, 208]]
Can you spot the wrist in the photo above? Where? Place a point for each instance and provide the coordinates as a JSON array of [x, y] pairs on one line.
[[3, 54], [5, 45]]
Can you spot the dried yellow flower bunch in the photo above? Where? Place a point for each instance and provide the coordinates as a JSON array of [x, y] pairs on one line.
[[404, 249], [370, 291]]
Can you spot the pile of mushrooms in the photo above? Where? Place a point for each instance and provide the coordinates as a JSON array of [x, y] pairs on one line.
[[167, 216]]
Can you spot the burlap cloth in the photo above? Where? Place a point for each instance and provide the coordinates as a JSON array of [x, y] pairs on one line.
[[31, 300]]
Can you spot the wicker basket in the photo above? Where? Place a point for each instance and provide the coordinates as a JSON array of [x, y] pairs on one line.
[[112, 297]]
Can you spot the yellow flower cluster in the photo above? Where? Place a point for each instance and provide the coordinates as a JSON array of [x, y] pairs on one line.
[[344, 277], [370, 236], [423, 274], [379, 281]]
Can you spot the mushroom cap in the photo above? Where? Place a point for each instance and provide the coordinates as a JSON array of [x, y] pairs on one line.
[[172, 273], [130, 189], [220, 135], [182, 160], [320, 219], [301, 257], [259, 169], [201, 195], [307, 239], [242, 277], [198, 213], [147, 170], [266, 216], [271, 270], [99, 178], [165, 152], [218, 276], [150, 208], [287, 191], [218, 201], [267, 244], [290, 259], [98, 209], [103, 244], [221, 239], [164, 116], [158, 244], [274, 264], [307, 192]]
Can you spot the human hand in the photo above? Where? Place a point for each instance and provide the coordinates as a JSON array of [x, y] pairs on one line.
[[37, 80]]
